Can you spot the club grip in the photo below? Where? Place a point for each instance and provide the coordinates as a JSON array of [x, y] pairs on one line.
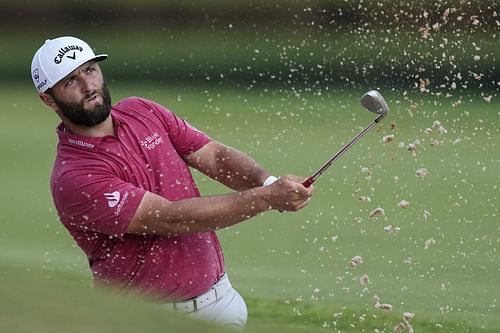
[[308, 182]]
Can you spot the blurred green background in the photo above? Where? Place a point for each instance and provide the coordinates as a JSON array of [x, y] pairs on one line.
[[281, 81]]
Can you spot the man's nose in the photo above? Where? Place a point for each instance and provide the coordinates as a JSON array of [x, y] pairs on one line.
[[86, 84]]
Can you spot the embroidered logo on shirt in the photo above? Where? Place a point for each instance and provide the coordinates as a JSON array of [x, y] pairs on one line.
[[81, 143], [151, 141], [113, 198], [121, 204]]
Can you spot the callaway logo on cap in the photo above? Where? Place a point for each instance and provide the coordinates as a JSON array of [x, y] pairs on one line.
[[57, 58]]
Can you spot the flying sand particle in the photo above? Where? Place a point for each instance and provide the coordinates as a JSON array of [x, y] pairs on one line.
[[392, 229], [413, 147], [381, 306], [377, 212], [355, 261], [422, 172], [364, 280], [404, 204], [429, 243], [405, 325], [408, 316], [388, 138], [488, 98]]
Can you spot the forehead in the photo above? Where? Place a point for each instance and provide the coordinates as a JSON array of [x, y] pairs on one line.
[[82, 67], [77, 70]]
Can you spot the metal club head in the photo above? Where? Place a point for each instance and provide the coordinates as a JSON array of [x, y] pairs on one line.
[[374, 102]]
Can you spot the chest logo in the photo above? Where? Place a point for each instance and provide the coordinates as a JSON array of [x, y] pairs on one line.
[[113, 198], [151, 141]]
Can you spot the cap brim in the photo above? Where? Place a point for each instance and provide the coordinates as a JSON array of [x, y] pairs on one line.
[[101, 57]]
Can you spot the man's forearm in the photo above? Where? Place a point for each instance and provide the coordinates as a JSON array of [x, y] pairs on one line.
[[228, 166], [159, 216], [239, 171]]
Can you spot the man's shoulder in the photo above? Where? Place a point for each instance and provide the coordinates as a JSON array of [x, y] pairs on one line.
[[135, 103], [132, 109], [70, 162], [67, 169]]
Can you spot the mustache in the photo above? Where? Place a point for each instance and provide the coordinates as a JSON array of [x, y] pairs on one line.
[[92, 94]]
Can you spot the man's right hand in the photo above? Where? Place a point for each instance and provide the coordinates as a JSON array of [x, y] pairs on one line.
[[288, 194]]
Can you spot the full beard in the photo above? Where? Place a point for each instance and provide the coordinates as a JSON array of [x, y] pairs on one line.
[[80, 116]]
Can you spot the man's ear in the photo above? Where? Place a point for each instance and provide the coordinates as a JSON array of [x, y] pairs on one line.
[[48, 100]]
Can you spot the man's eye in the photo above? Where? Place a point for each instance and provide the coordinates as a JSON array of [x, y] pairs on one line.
[[69, 82]]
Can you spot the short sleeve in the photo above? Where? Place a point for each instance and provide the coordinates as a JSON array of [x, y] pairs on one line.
[[96, 202]]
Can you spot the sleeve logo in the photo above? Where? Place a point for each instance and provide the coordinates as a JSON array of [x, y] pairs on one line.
[[113, 198]]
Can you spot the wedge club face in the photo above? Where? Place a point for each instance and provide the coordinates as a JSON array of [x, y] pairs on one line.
[[375, 102]]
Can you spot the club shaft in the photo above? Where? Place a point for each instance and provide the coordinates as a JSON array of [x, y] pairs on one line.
[[337, 155]]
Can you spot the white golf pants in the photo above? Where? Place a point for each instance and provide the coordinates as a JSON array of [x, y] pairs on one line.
[[230, 310], [221, 305]]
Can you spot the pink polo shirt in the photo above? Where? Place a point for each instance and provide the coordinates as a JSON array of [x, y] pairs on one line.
[[98, 183]]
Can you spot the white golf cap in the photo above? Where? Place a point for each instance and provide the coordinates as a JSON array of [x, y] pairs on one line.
[[57, 58]]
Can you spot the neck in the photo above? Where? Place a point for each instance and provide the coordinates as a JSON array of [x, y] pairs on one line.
[[103, 129]]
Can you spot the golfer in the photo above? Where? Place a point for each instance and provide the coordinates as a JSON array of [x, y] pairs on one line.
[[123, 189]]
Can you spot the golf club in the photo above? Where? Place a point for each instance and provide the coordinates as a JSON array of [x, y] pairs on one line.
[[374, 102]]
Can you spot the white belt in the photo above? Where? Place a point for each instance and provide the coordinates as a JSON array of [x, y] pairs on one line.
[[211, 296]]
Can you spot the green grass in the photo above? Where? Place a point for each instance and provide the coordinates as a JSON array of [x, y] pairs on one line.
[[293, 275], [37, 301]]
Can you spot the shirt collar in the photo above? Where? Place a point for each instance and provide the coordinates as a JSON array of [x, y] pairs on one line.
[[77, 141], [81, 141]]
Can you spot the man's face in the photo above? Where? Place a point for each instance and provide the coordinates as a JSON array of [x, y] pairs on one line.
[[83, 96]]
